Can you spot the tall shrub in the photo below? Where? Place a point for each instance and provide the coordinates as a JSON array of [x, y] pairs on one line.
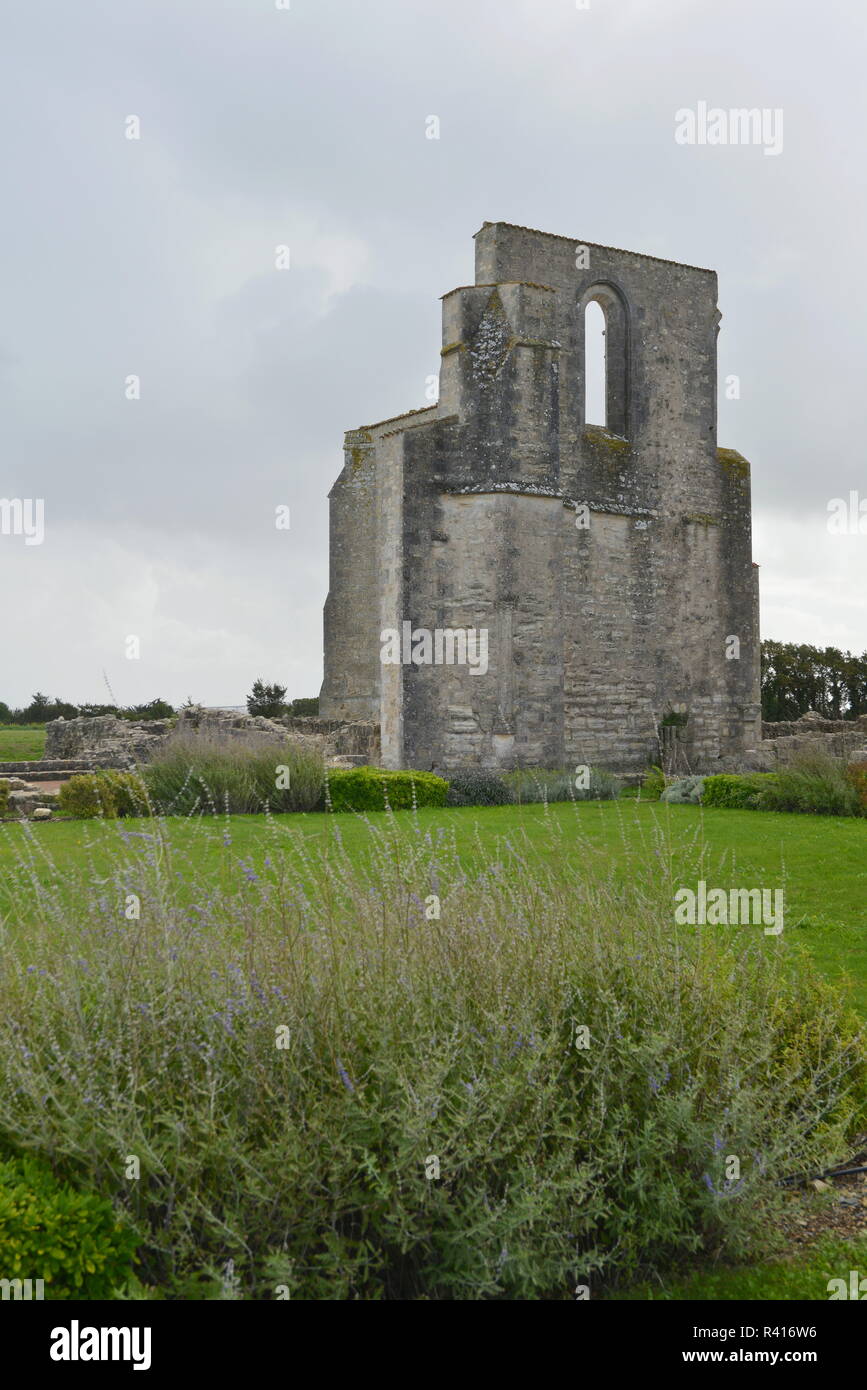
[[815, 784], [199, 772], [387, 1076]]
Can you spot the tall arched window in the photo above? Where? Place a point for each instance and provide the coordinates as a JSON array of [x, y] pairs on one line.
[[604, 333], [595, 404]]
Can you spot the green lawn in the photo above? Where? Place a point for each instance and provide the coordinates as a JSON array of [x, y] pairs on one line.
[[804, 1277], [18, 743], [821, 862]]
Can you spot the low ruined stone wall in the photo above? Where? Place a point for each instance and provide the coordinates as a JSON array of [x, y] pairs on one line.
[[358, 738], [106, 741], [815, 725], [787, 741]]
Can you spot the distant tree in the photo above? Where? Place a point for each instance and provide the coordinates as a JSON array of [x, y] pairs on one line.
[[797, 677], [855, 678], [266, 700], [301, 709], [42, 709], [155, 709]]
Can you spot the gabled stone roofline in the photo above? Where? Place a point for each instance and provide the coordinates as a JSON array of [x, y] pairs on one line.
[[497, 284], [576, 241], [421, 410], [421, 425]]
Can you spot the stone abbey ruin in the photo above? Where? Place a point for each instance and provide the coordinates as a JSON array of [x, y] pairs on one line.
[[511, 586]]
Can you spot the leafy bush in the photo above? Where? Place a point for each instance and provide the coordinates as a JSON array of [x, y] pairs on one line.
[[4, 797], [72, 1240], [684, 792], [378, 789], [202, 772], [794, 1016], [736, 792], [332, 1087], [856, 775], [532, 785], [814, 784], [107, 793], [652, 784], [474, 787], [128, 791], [86, 795]]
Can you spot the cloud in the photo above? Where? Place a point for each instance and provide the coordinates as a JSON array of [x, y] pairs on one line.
[[262, 127]]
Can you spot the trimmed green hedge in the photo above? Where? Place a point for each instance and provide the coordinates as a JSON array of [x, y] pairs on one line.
[[4, 797], [72, 1240], [106, 793], [368, 789], [737, 792]]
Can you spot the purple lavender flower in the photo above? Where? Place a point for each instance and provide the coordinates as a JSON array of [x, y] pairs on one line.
[[344, 1076]]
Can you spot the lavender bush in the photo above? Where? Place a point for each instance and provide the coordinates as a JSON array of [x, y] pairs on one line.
[[381, 1077], [202, 772]]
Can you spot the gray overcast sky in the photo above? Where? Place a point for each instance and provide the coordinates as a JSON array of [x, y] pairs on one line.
[[306, 127]]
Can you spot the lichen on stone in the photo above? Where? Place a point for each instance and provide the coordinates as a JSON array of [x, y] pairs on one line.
[[490, 346], [734, 462], [598, 434]]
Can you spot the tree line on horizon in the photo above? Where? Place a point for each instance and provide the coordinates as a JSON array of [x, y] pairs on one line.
[[796, 677], [264, 699]]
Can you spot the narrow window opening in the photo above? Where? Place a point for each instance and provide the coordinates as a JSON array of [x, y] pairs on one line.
[[595, 382]]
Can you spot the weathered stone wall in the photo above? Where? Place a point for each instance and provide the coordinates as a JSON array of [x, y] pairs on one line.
[[811, 736], [845, 745], [814, 724], [359, 738], [597, 630], [351, 654], [106, 741]]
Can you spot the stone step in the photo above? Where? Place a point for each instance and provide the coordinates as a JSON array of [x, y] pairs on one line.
[[43, 776], [47, 770]]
